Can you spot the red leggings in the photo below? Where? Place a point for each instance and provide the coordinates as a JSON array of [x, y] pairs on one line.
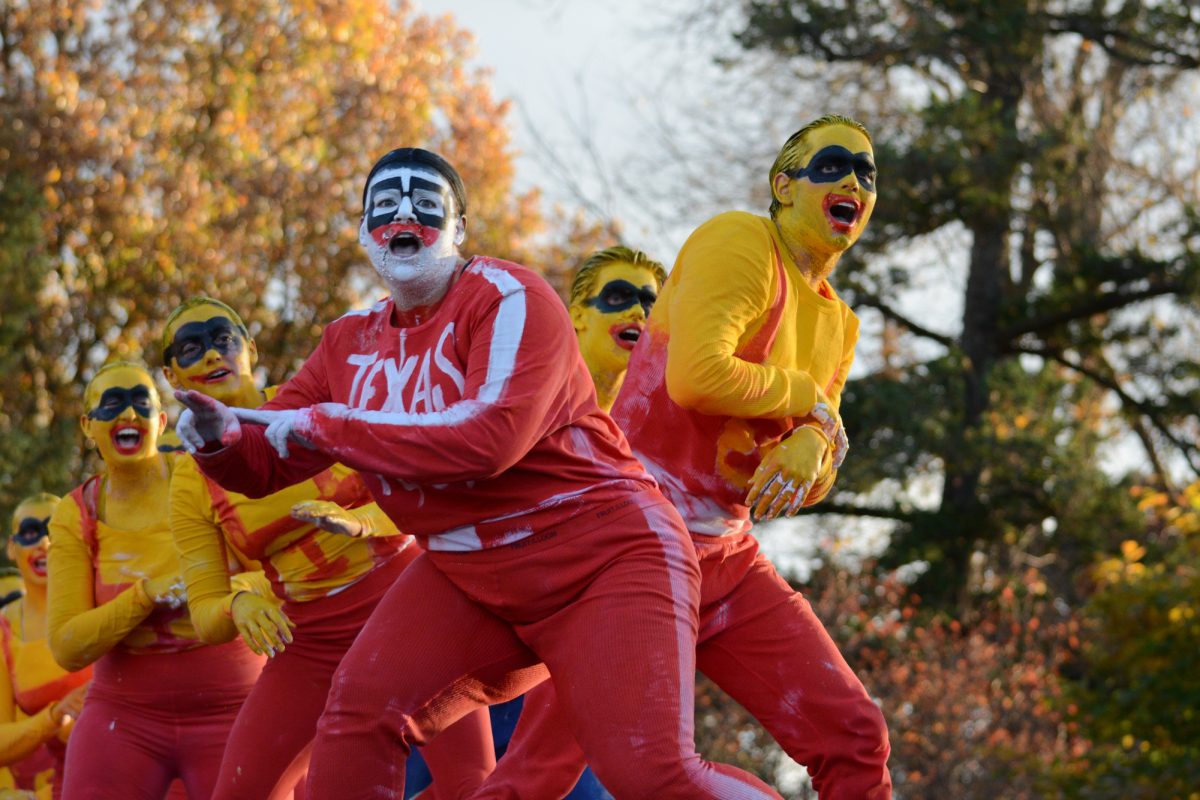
[[150, 719], [269, 748], [759, 641], [608, 602]]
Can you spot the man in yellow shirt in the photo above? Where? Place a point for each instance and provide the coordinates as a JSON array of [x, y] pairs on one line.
[[731, 402]]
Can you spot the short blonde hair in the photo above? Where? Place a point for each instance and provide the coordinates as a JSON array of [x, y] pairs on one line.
[[791, 155], [584, 282], [40, 497], [188, 305], [111, 365]]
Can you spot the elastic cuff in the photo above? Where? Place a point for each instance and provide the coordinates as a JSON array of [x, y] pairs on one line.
[[228, 604]]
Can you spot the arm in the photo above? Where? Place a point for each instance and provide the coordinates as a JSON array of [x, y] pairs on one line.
[[20, 737], [80, 632], [202, 556], [725, 285], [828, 475], [240, 458], [364, 521], [518, 362]]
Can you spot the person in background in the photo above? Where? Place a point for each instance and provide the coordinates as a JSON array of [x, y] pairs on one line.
[[162, 703], [38, 698]]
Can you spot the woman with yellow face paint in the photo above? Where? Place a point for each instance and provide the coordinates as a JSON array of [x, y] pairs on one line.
[[328, 583], [38, 698], [161, 703]]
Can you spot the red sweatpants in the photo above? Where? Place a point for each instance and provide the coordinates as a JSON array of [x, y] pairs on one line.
[[151, 718], [759, 641], [268, 751], [608, 602]]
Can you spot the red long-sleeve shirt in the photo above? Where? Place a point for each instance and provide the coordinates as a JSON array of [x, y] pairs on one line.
[[472, 430]]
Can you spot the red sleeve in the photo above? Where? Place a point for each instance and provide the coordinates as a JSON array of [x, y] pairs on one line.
[[521, 357], [250, 465]]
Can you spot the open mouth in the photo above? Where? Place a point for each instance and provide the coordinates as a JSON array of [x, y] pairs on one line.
[[127, 439], [627, 335], [39, 565], [405, 239], [842, 212], [216, 376]]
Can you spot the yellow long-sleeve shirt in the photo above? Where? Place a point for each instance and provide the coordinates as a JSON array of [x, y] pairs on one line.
[[97, 601], [737, 353], [215, 530]]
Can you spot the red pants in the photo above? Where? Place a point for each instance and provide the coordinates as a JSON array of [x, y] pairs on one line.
[[151, 718], [608, 602], [759, 641], [269, 748]]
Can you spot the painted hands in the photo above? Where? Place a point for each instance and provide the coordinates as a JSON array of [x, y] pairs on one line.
[[831, 424], [784, 477], [66, 710], [281, 427], [205, 420], [328, 516], [166, 590], [262, 624]]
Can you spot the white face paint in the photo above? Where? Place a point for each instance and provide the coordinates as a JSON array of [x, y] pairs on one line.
[[411, 232]]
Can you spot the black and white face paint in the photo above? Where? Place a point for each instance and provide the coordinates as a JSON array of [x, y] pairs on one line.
[[411, 232]]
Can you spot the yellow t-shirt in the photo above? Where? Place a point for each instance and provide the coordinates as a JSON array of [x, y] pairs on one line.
[[737, 353]]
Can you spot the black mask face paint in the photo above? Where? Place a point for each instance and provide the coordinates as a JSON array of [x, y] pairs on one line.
[[429, 202], [31, 530], [620, 295], [831, 164], [116, 399], [195, 339]]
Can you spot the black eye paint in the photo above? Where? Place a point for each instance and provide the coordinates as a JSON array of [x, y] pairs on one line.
[[417, 186], [620, 295], [195, 339], [116, 399], [831, 164], [31, 530]]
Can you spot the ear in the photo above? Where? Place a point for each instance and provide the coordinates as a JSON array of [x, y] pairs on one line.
[[11, 550], [85, 425], [171, 377], [460, 231], [782, 188], [252, 349], [577, 318]]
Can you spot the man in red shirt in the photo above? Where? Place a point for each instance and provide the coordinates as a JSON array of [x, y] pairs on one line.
[[464, 403]]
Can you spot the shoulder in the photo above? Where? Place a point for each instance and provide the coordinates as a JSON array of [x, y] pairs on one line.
[[739, 224], [505, 277], [359, 318], [68, 514]]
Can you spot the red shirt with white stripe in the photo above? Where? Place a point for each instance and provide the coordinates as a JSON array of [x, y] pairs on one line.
[[474, 429]]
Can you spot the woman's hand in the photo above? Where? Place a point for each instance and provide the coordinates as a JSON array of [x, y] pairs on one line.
[[263, 625], [166, 590], [66, 710], [328, 516]]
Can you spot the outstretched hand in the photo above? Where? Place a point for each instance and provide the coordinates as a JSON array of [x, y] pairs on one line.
[[281, 427], [166, 590], [205, 420], [262, 623], [785, 475], [328, 516]]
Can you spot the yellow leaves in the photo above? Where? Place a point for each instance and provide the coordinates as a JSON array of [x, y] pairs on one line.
[[1131, 551]]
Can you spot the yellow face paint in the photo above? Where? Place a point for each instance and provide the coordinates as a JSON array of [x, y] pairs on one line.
[[31, 558], [209, 362], [124, 432], [610, 321], [827, 203]]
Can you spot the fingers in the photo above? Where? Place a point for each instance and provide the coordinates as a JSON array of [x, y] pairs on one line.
[[186, 430], [766, 496], [783, 498], [277, 434], [255, 415], [798, 500], [841, 446]]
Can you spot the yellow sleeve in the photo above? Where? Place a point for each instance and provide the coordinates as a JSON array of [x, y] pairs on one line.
[[202, 555], [828, 475], [725, 284], [81, 632], [19, 737]]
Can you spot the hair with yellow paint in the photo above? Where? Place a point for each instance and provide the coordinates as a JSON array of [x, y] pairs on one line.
[[584, 283], [188, 305], [87, 393], [792, 154], [40, 497]]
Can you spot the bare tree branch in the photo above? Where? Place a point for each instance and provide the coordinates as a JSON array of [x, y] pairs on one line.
[[871, 301], [1099, 305]]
